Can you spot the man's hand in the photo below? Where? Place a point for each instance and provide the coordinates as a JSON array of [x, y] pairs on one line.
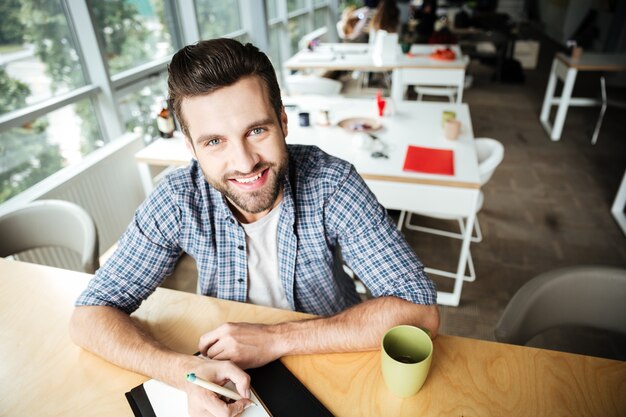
[[356, 329], [113, 335], [248, 345], [203, 402]]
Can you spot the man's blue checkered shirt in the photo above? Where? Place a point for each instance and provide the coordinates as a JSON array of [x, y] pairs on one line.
[[325, 204]]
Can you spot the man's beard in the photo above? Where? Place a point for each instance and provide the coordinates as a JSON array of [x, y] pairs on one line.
[[259, 200]]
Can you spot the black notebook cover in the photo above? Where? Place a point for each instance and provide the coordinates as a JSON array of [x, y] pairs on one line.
[[281, 392]]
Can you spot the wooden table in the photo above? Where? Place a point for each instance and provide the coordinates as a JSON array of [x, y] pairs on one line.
[[412, 123], [413, 69], [566, 69], [43, 374]]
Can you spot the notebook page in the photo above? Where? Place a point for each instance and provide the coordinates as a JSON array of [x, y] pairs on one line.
[[168, 401]]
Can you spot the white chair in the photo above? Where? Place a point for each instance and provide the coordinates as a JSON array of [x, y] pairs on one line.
[[298, 84], [48, 223], [448, 83], [422, 91], [490, 154]]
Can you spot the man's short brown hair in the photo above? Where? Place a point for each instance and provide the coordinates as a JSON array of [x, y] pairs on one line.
[[208, 65]]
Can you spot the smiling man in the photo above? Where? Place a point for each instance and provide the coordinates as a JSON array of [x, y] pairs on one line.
[[265, 223]]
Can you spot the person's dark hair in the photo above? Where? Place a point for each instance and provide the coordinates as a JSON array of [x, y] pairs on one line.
[[208, 65], [387, 16]]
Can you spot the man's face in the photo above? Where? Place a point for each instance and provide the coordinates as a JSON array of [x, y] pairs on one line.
[[240, 145]]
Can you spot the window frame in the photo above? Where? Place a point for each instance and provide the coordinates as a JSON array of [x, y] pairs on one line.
[[103, 89]]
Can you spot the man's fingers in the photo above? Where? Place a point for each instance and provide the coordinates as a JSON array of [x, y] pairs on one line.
[[206, 341], [229, 370], [216, 406], [237, 407]]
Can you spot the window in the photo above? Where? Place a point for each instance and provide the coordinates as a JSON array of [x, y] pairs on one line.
[[217, 18], [293, 5], [62, 96], [298, 27], [32, 152], [289, 24], [131, 32], [38, 55], [40, 65], [138, 105]]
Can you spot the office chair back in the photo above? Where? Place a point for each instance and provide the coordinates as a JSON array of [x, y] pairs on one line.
[[50, 223], [589, 296]]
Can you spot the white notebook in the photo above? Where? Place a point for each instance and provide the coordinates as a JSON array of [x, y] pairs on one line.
[[168, 401]]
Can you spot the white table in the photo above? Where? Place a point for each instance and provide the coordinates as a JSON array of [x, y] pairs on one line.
[[161, 153], [413, 69], [566, 69], [415, 123]]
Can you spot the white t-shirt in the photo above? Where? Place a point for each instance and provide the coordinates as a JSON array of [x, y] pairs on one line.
[[264, 287]]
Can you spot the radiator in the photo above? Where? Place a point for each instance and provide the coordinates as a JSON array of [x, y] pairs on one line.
[[106, 184]]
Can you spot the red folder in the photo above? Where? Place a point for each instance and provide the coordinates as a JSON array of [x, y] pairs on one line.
[[429, 160]]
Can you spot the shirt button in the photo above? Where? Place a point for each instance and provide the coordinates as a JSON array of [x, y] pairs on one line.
[[240, 247], [231, 220], [240, 280]]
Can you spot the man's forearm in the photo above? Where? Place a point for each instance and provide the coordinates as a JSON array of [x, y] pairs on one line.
[[112, 334], [359, 328]]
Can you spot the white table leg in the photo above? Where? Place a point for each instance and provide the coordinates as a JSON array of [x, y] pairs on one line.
[[146, 177], [460, 87], [547, 99], [619, 204], [397, 90], [564, 103], [453, 298]]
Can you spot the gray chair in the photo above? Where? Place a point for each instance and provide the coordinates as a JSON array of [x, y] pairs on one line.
[[585, 296], [50, 223]]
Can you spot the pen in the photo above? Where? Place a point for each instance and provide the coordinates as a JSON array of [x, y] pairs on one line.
[[218, 389]]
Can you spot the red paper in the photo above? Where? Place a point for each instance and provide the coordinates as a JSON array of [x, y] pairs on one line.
[[429, 160]]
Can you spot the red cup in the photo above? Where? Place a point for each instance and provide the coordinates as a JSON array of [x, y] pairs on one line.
[[381, 106]]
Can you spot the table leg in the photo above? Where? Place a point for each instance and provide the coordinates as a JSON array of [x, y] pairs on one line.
[[146, 177], [397, 90], [564, 102], [459, 89], [547, 99], [453, 298]]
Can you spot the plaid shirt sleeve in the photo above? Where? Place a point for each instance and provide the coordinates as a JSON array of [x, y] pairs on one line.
[[373, 247], [146, 254]]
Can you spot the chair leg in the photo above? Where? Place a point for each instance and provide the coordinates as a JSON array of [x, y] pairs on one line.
[[479, 235], [414, 227], [596, 131], [470, 262], [447, 274], [472, 271], [401, 219]]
